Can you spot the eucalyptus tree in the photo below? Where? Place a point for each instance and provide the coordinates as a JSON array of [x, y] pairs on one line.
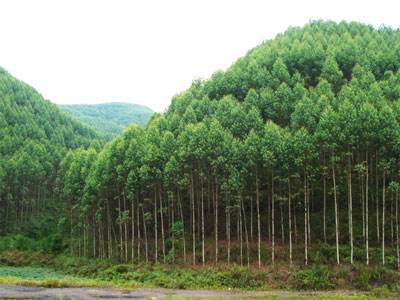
[[219, 143], [328, 134], [133, 161], [270, 150], [304, 153], [253, 147]]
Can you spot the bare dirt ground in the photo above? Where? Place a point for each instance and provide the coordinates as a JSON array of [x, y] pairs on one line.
[[24, 292], [36, 293]]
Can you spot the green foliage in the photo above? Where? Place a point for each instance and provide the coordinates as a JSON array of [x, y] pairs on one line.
[[109, 119], [381, 292], [17, 242], [34, 137], [52, 243], [30, 273], [315, 278], [376, 276]]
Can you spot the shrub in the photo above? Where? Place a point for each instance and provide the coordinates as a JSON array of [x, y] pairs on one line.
[[362, 281], [381, 292], [315, 278]]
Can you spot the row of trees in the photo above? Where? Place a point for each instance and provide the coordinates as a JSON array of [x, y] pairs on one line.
[[205, 183], [309, 156]]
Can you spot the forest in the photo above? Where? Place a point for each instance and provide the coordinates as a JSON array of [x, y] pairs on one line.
[[109, 119], [291, 155]]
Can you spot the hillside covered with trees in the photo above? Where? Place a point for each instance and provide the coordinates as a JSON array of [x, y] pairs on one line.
[[109, 119], [291, 154], [34, 137]]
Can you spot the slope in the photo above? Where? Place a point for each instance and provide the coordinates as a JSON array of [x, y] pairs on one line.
[[34, 137], [297, 141], [109, 119]]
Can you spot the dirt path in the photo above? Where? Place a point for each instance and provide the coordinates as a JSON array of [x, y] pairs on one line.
[[39, 293], [24, 292]]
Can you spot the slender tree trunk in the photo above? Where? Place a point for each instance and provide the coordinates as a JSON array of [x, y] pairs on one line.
[[193, 219], [269, 213], [216, 221], [241, 232], [133, 230], [272, 220], [228, 227], [290, 223], [324, 218], [258, 222], [121, 246], [282, 225], [138, 229], [383, 216], [125, 229], [203, 257], [366, 209], [101, 239], [308, 213], [245, 233], [295, 223], [350, 206], [183, 226], [71, 239], [336, 213], [362, 204], [109, 237], [305, 221], [79, 244], [171, 225], [162, 223], [391, 220], [197, 200], [251, 219], [146, 247], [155, 227], [94, 235], [397, 230], [377, 198]]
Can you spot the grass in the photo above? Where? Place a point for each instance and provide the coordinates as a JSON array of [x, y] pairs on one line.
[[36, 268], [44, 277], [292, 296], [32, 276], [30, 273]]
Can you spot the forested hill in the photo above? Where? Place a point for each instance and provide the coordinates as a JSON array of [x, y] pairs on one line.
[[295, 147], [109, 119], [295, 144], [34, 137]]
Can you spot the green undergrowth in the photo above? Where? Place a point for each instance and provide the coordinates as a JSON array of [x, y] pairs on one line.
[[36, 268], [293, 296], [34, 276], [125, 275]]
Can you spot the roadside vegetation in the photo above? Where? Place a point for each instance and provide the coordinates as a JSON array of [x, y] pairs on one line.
[[40, 269]]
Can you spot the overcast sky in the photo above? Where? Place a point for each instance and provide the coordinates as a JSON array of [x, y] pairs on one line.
[[93, 51]]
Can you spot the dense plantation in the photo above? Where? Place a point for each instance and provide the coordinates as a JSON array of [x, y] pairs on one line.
[[34, 137], [290, 154], [297, 143], [109, 119]]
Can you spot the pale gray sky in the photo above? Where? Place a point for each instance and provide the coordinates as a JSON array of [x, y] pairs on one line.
[[92, 51]]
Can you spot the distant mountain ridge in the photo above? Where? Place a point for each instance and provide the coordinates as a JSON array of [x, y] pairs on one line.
[[110, 118]]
